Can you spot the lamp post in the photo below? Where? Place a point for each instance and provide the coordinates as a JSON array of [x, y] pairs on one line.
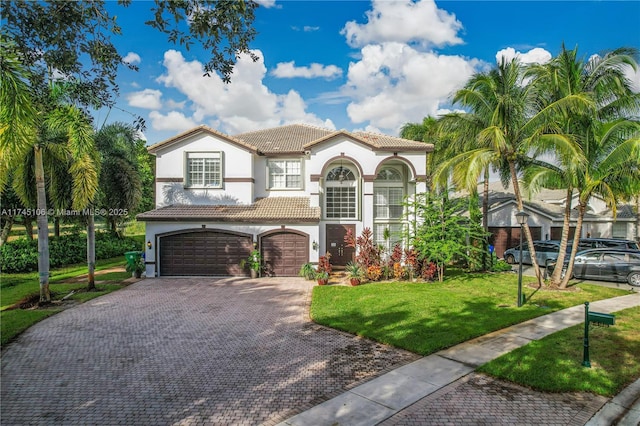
[[522, 217]]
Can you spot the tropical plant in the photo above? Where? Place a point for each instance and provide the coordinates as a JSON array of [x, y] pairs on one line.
[[307, 271], [502, 104], [29, 127], [367, 252], [120, 180], [582, 139], [354, 270]]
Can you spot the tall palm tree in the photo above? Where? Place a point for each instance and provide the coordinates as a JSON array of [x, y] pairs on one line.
[[120, 181], [26, 126], [569, 133], [501, 103]]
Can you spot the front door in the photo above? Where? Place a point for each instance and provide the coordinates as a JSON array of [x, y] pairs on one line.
[[340, 253]]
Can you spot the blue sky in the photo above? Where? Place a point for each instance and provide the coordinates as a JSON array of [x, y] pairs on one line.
[[354, 65]]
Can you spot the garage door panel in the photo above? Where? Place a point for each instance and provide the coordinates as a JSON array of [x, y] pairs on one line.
[[208, 252], [284, 252]]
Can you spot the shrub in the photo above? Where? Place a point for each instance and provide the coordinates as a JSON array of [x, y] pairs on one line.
[[429, 271], [22, 255], [374, 272], [307, 271], [501, 266], [398, 271]]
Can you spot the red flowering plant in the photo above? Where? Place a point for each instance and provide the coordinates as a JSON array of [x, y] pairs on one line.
[[324, 269], [367, 252]]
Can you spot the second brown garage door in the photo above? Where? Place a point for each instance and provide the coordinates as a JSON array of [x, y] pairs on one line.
[[284, 252], [204, 252]]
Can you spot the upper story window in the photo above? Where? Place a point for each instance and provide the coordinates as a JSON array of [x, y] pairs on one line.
[[204, 170], [388, 194], [285, 174], [341, 194]]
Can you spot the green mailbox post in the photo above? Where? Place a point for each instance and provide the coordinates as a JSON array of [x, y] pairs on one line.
[[597, 318]]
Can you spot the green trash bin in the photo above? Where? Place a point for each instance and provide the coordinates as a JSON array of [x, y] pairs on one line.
[[132, 258]]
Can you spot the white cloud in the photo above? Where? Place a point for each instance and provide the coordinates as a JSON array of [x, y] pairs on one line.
[[309, 28], [536, 55], [405, 22], [289, 70], [147, 98], [266, 3], [174, 121], [394, 83], [132, 58], [634, 77], [244, 104]]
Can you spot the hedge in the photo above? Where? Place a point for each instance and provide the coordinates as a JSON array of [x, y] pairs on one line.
[[22, 255]]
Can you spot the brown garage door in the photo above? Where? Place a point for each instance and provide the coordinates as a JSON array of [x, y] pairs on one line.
[[506, 237], [556, 232], [284, 252], [204, 252]]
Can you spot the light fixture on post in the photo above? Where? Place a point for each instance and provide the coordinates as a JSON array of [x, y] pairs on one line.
[[521, 217]]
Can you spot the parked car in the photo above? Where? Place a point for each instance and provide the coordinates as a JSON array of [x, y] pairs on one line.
[[605, 264], [545, 251], [608, 242]]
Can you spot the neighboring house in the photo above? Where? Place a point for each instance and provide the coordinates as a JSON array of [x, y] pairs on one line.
[[291, 191], [546, 210]]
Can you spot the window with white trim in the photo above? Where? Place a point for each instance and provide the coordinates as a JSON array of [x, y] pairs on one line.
[[388, 207], [285, 174], [619, 230], [204, 170], [341, 194]]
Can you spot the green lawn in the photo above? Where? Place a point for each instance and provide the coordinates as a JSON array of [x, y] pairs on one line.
[[554, 363], [15, 288], [427, 317]]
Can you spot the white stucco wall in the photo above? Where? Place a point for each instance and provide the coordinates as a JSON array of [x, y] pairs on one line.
[[237, 172]]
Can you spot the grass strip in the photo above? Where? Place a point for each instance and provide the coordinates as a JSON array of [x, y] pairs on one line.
[[427, 317], [554, 363]]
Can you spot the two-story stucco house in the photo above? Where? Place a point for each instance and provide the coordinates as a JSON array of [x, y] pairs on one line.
[[291, 191]]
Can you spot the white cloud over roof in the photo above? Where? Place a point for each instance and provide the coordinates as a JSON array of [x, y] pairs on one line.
[[147, 98], [244, 104], [419, 22], [315, 70]]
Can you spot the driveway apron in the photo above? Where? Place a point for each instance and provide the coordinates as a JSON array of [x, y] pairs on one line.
[[185, 351]]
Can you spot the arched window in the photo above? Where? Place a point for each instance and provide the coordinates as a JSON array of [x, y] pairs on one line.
[[341, 194], [388, 205]]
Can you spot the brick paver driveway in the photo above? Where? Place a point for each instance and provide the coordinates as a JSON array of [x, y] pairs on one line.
[[184, 351]]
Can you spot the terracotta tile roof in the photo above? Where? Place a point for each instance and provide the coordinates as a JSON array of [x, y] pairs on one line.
[[200, 129], [264, 210], [291, 138], [295, 138]]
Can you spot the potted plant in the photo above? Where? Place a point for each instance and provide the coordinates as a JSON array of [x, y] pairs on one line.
[[136, 268], [323, 270], [255, 263], [307, 271], [356, 273]]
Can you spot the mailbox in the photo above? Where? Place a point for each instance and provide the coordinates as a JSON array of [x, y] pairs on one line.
[[600, 318]]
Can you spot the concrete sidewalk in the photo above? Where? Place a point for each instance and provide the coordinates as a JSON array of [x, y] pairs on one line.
[[383, 397]]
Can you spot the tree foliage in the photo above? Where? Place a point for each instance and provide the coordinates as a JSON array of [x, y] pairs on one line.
[[443, 233], [73, 39]]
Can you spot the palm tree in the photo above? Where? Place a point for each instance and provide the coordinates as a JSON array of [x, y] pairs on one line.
[[501, 105], [568, 132], [27, 126], [120, 181]]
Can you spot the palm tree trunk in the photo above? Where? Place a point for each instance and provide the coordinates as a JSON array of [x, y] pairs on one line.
[[527, 231], [6, 229], [556, 277], [28, 227], [56, 226], [43, 229], [582, 208], [91, 251], [485, 217]]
